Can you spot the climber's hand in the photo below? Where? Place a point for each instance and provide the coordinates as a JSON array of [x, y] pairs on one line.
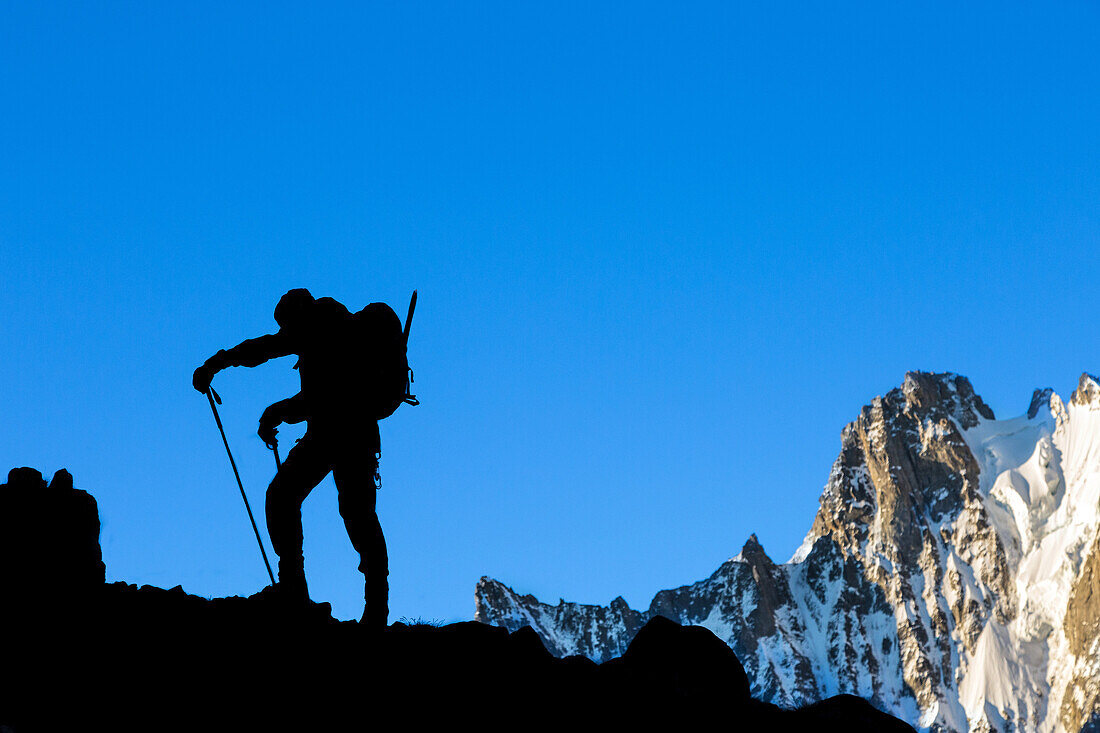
[[268, 429], [201, 379]]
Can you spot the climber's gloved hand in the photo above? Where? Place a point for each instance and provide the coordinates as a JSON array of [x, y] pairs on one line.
[[209, 368], [201, 379], [269, 424], [267, 434]]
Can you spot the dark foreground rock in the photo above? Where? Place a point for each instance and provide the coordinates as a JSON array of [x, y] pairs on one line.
[[79, 654]]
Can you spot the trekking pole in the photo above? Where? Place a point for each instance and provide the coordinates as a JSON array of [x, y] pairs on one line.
[[211, 395], [278, 463]]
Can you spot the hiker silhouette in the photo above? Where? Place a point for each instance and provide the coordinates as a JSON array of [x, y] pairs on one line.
[[353, 372]]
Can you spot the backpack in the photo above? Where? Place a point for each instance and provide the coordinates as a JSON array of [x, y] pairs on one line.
[[379, 329]]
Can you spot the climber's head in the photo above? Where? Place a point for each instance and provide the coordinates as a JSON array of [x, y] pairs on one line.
[[292, 310]]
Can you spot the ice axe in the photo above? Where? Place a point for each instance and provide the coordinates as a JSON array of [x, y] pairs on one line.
[[213, 397], [409, 317]]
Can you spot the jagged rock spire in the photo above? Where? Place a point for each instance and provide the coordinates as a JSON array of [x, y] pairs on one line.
[[1087, 392]]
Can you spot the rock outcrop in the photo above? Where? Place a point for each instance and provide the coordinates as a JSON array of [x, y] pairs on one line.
[[950, 576], [49, 536], [1081, 698]]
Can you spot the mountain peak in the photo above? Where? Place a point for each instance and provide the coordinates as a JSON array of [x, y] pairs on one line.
[[752, 547], [948, 391], [753, 552], [1087, 393], [1040, 399]]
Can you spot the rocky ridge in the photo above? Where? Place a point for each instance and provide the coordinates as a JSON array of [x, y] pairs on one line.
[[82, 654], [951, 575]]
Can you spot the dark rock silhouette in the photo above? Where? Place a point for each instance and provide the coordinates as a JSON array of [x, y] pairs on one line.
[[81, 654], [49, 536]]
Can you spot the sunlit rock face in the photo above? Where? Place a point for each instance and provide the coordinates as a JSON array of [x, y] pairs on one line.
[[951, 574]]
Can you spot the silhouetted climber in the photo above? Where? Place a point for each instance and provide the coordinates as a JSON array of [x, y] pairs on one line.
[[354, 372]]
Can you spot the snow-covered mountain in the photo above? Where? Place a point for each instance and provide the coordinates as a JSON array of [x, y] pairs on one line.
[[951, 575]]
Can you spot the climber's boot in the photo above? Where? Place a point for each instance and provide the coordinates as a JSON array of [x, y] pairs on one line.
[[292, 581], [376, 610]]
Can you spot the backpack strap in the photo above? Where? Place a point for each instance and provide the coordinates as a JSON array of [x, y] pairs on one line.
[[410, 399]]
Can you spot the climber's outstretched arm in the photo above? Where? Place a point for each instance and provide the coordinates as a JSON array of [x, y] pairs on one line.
[[249, 353]]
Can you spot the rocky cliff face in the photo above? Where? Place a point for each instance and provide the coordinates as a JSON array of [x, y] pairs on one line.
[[951, 575]]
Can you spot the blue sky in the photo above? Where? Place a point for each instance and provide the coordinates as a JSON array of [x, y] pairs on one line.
[[664, 254]]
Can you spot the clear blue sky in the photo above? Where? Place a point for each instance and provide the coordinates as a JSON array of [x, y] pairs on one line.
[[664, 254]]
